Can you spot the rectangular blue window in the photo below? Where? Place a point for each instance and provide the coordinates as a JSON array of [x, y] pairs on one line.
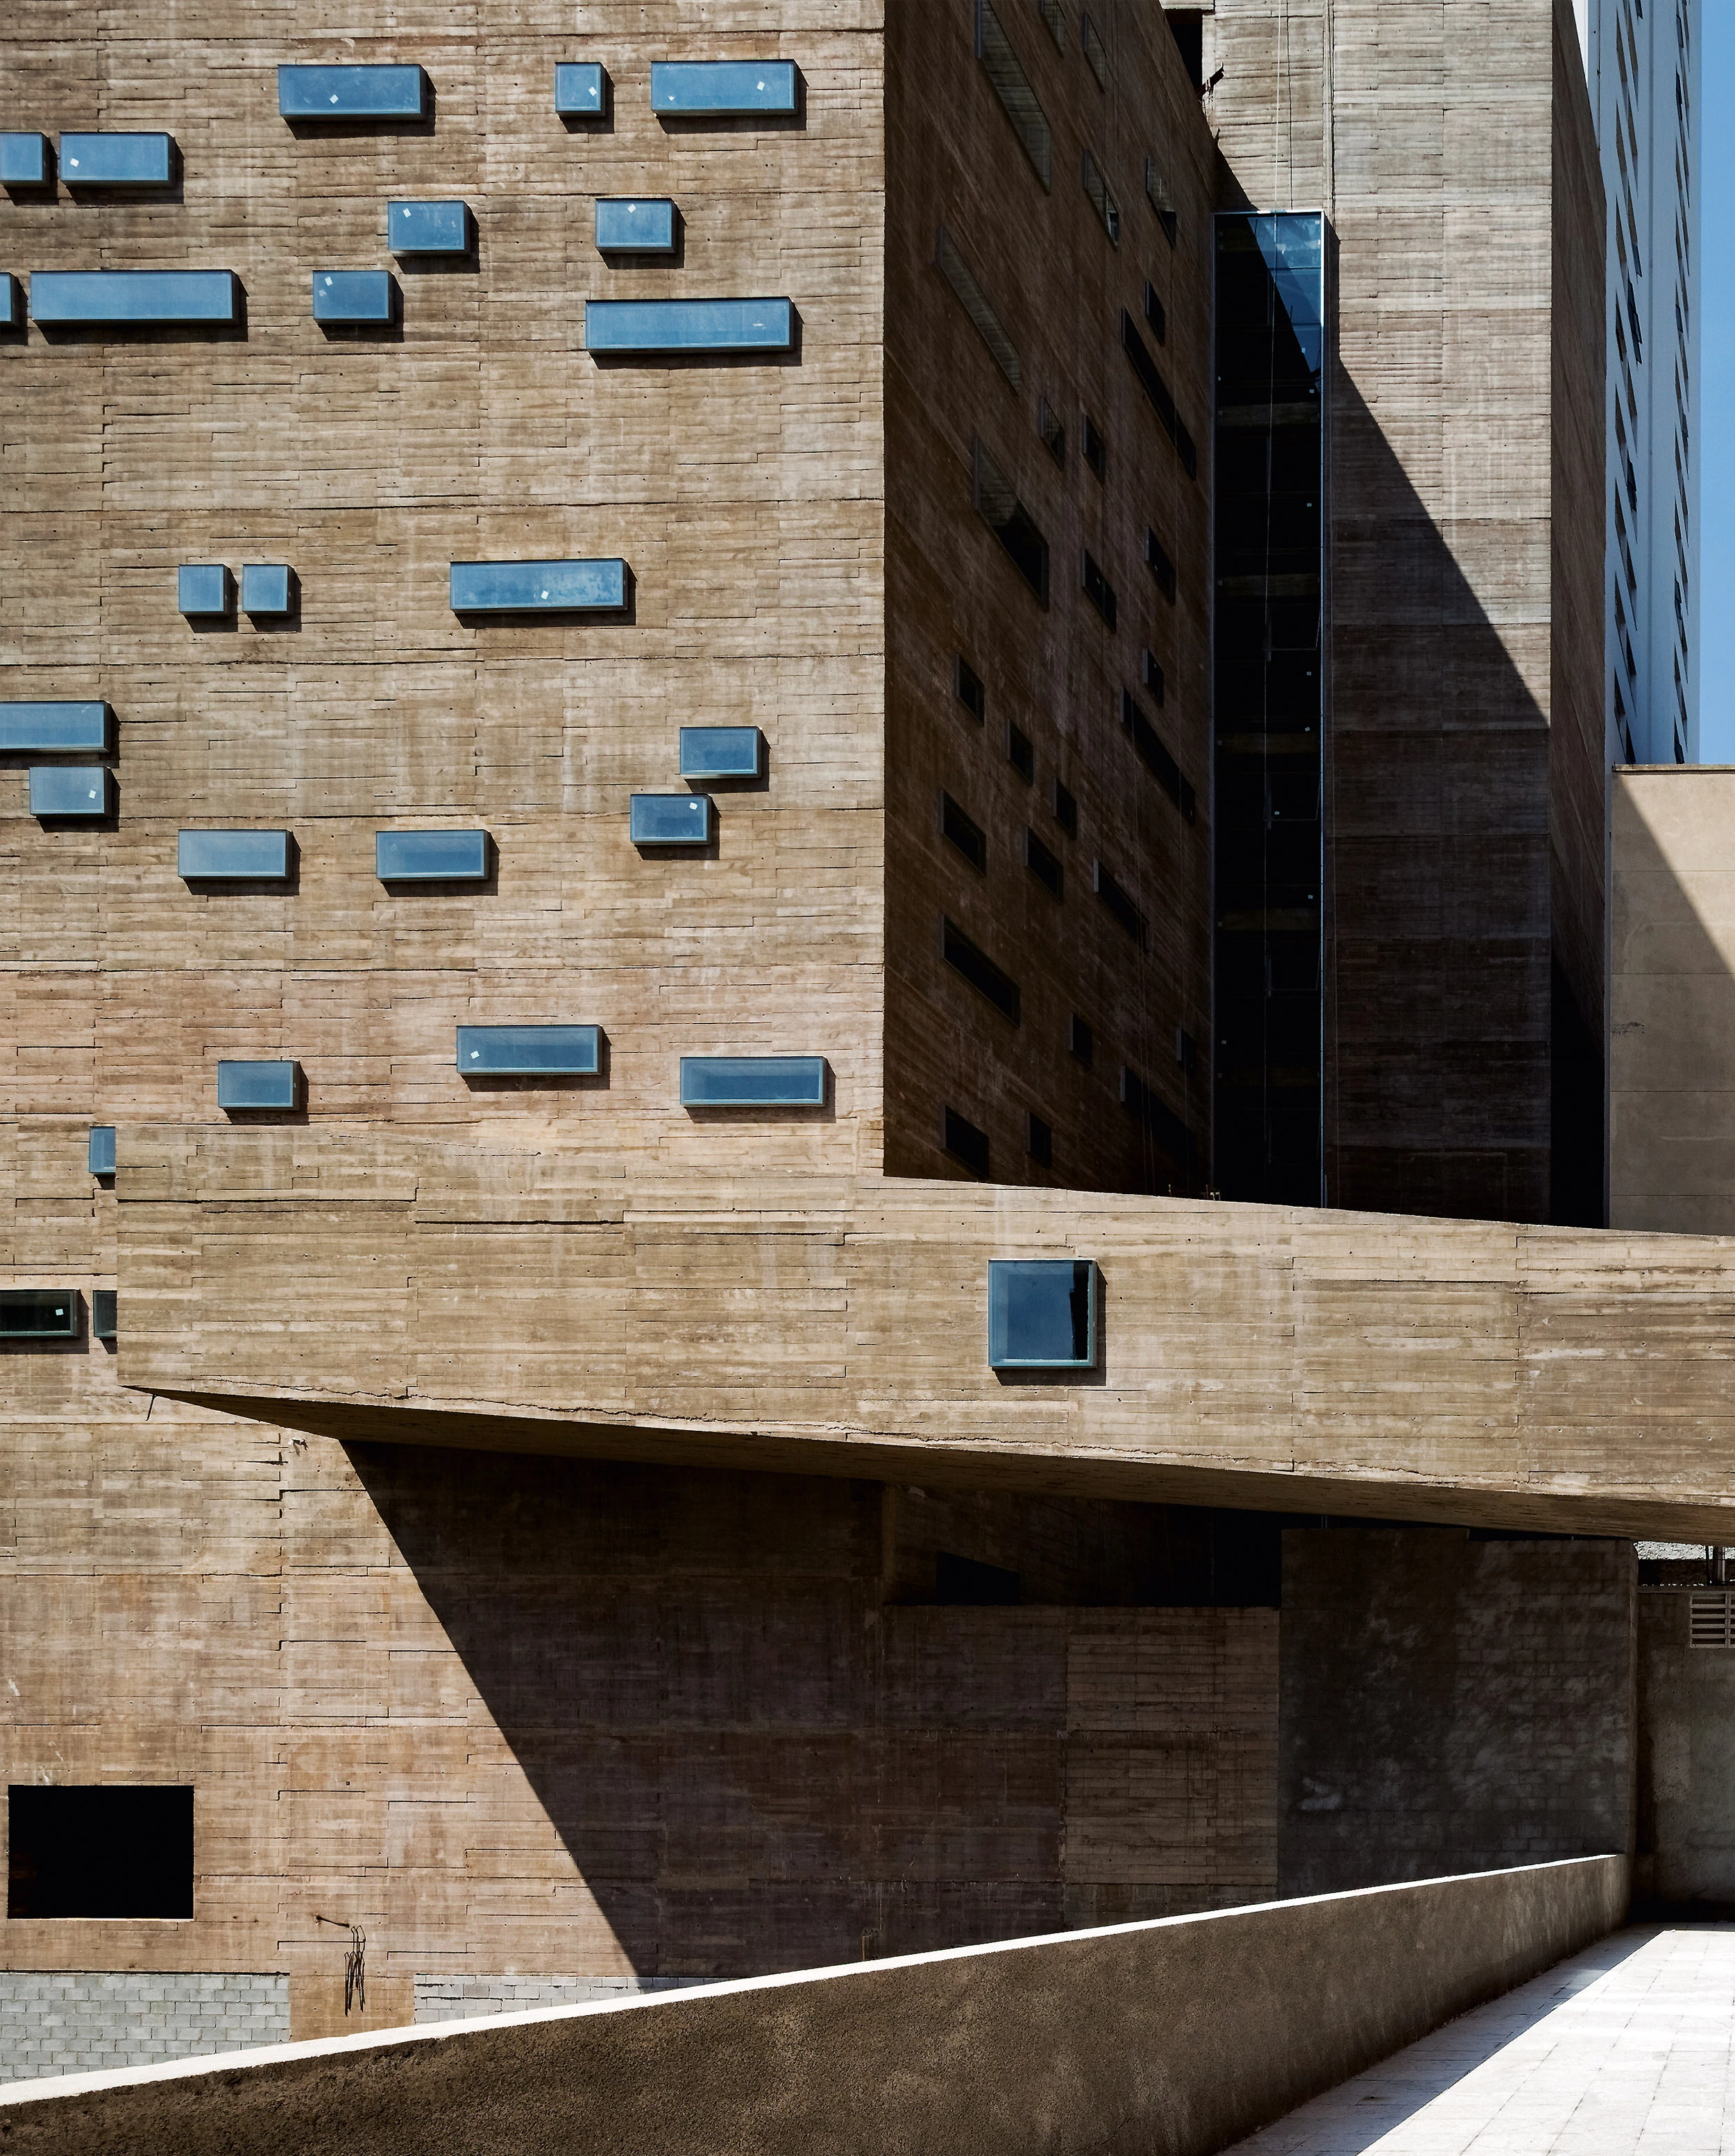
[[259, 1084], [581, 89], [529, 1052], [539, 586], [105, 1312], [363, 296], [721, 751], [266, 588], [12, 302], [752, 1081], [669, 819], [352, 92], [68, 789], [430, 856], [47, 729], [718, 89], [204, 589], [38, 1313], [117, 160], [101, 1150], [635, 326], [221, 855], [427, 228], [24, 161], [636, 224], [134, 295], [1042, 1314]]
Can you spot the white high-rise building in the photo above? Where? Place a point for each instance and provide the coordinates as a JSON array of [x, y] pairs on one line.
[[1642, 63]]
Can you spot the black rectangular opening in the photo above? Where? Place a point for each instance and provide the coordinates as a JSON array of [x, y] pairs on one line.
[[965, 1582], [1098, 590], [971, 693], [1095, 447], [963, 832], [1066, 810], [1019, 754], [980, 970], [1043, 865], [1040, 1141], [1157, 562], [115, 1850], [963, 1141], [1081, 1041]]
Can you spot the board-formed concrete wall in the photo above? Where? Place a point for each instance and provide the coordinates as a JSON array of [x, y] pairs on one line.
[[1686, 1759], [1174, 2037]]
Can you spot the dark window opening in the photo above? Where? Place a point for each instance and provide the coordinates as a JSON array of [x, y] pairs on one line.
[[1154, 1114], [965, 1142], [1019, 754], [979, 970], [1011, 523], [1081, 1042], [1122, 904], [1095, 449], [1156, 194], [1156, 314], [971, 693], [1150, 673], [1098, 590], [963, 832], [1186, 1051], [1188, 25], [965, 1582], [1043, 864], [1153, 753], [1011, 87], [1039, 1141], [1161, 568], [1052, 433], [115, 1850], [1066, 810], [1101, 201]]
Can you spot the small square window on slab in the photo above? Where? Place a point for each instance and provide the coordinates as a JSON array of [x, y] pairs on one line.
[[24, 161], [429, 228], [573, 587], [100, 1150], [69, 789], [38, 1313], [529, 1052], [221, 856], [752, 1081], [369, 92], [259, 1086], [722, 88], [362, 299], [430, 856], [204, 590], [106, 1313], [669, 819], [721, 752], [53, 729], [1042, 1313], [636, 224], [268, 587], [582, 90], [117, 160]]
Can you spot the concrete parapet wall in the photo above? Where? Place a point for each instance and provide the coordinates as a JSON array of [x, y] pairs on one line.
[[1175, 2037]]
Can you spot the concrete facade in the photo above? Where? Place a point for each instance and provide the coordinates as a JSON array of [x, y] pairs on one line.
[[1687, 1692]]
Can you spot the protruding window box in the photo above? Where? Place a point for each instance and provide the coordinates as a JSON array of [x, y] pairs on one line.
[[117, 160], [11, 301], [353, 93], [722, 90], [539, 586], [105, 1312], [429, 228], [1042, 1313], [670, 819], [24, 161], [529, 1052], [100, 1152], [268, 588], [645, 328], [582, 90], [355, 298], [265, 1086], [205, 591], [38, 1313], [232, 856], [69, 789], [430, 856], [752, 1081], [70, 298], [53, 729], [721, 752], [636, 224]]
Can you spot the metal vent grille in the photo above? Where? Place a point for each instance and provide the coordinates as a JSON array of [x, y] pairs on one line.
[[1711, 1621]]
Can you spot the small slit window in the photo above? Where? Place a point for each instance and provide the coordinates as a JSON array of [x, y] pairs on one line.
[[965, 1142], [1121, 903], [752, 1081], [1098, 590], [38, 1313], [1102, 200], [974, 301], [1052, 433], [1157, 562], [1066, 810], [1053, 16], [963, 833], [529, 1052], [1080, 1041], [1012, 524], [971, 961], [1095, 449], [1156, 314], [1096, 52], [1044, 865], [1152, 752], [971, 693], [1011, 87], [1150, 673], [1158, 194], [1019, 754], [1040, 1140]]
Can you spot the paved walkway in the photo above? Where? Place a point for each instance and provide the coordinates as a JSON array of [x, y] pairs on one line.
[[1626, 2051]]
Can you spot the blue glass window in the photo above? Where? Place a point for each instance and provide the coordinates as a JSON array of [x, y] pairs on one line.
[[721, 751], [352, 92], [12, 302], [105, 1312], [427, 228], [259, 1084], [529, 1052], [354, 295], [636, 224], [117, 160], [223, 855], [539, 586], [101, 1150], [38, 1313], [660, 326], [43, 729], [670, 819], [24, 161], [581, 89], [430, 856], [752, 1081], [1041, 1314], [204, 587], [266, 588], [68, 789], [134, 295], [720, 88]]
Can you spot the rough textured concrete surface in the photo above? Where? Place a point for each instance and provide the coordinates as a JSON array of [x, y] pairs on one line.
[[1171, 2038], [1687, 1750]]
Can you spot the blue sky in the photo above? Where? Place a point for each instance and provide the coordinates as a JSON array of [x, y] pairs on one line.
[[1717, 390]]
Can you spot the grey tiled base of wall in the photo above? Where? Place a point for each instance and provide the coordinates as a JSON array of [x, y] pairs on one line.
[[457, 1998], [78, 2020]]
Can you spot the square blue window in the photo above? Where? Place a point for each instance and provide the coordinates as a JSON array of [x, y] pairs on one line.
[[102, 1151], [363, 298], [720, 89], [721, 751], [582, 90], [529, 1052], [105, 1312], [669, 819], [752, 1081], [38, 1313], [371, 92], [427, 228], [53, 729], [430, 856], [134, 295], [24, 161], [11, 301], [68, 789], [538, 587], [1042, 1314], [223, 856], [205, 589], [117, 160], [267, 588], [636, 224], [259, 1085], [629, 327]]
